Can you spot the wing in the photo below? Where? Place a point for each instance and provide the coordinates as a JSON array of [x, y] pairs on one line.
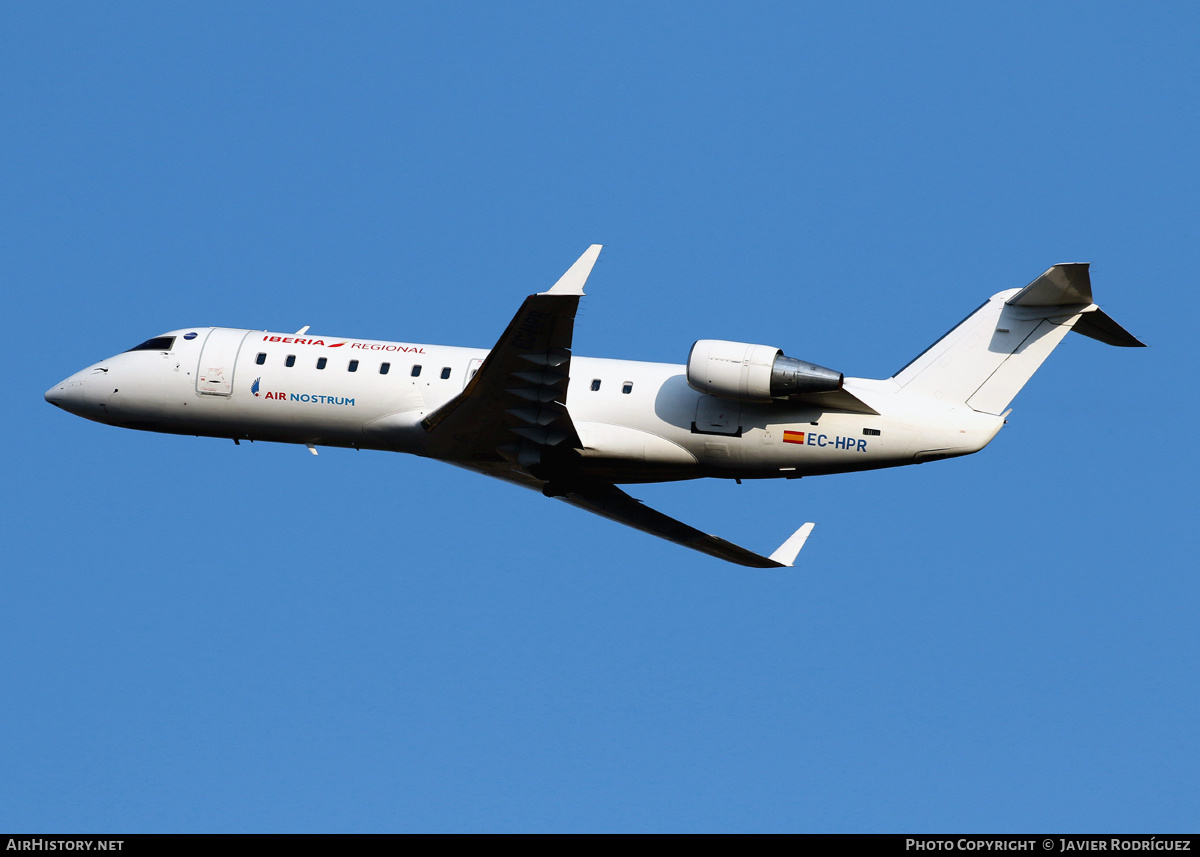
[[511, 422], [514, 409], [613, 503]]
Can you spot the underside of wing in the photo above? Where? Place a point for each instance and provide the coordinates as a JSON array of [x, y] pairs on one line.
[[611, 502]]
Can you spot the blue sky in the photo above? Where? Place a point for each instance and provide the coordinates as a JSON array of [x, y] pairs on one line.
[[203, 637]]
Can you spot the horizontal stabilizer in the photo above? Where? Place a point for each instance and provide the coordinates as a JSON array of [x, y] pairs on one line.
[[1070, 285], [1099, 326], [1061, 285]]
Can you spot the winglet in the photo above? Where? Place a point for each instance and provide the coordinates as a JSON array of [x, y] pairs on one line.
[[571, 283], [786, 555]]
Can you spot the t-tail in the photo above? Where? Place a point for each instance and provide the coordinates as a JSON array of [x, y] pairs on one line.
[[986, 360]]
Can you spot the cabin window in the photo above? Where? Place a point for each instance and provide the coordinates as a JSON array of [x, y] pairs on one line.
[[595, 384], [261, 358], [291, 361], [353, 367], [445, 372], [158, 343], [416, 370], [321, 361], [627, 387], [384, 367]]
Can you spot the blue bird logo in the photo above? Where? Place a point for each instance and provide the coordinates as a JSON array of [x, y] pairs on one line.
[[254, 386]]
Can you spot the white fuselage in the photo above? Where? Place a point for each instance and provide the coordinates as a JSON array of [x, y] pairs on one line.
[[529, 411], [637, 421]]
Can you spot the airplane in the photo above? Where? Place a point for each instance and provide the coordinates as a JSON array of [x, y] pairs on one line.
[[529, 411]]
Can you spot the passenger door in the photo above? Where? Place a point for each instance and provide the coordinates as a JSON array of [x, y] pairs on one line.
[[218, 358]]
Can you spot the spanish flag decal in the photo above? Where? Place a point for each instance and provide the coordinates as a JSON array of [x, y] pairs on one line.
[[793, 437]]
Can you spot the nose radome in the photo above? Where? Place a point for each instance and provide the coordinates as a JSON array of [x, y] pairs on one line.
[[56, 394], [68, 394]]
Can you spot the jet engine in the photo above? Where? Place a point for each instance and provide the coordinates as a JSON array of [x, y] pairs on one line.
[[754, 373]]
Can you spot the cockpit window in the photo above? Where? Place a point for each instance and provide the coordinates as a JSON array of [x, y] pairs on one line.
[[158, 343]]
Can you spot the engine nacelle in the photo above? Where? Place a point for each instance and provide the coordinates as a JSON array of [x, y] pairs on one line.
[[754, 373]]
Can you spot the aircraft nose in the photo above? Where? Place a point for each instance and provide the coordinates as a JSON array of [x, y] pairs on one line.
[[69, 394], [61, 393]]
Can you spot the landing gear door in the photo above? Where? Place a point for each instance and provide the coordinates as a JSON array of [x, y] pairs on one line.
[[715, 415], [214, 375]]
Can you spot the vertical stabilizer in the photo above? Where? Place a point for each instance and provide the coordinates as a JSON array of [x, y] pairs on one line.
[[986, 360]]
